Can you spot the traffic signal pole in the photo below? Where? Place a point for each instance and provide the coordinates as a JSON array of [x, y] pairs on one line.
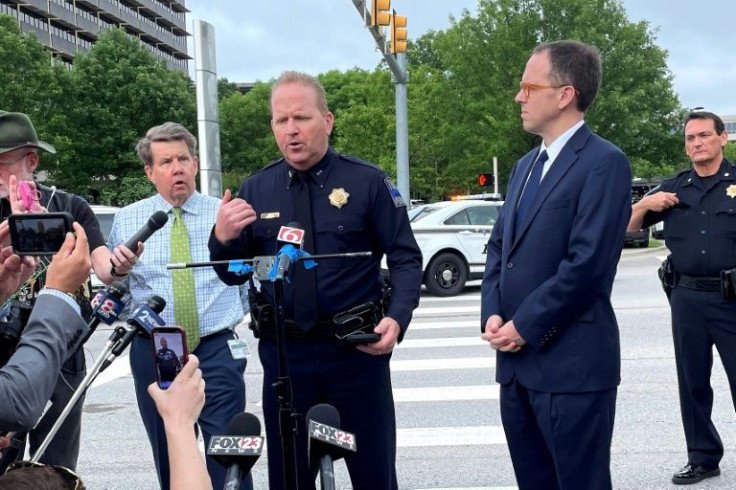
[[402, 132], [396, 62]]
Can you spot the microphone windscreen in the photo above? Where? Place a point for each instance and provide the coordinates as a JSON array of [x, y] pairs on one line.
[[156, 303], [324, 413], [158, 219], [244, 424]]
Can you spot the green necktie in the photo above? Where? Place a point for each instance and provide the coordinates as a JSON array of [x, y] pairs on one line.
[[185, 299]]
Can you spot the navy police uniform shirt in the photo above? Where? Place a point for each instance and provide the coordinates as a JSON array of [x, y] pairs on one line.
[[700, 231], [372, 218]]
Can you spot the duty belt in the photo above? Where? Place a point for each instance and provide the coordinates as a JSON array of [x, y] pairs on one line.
[[699, 283], [359, 318]]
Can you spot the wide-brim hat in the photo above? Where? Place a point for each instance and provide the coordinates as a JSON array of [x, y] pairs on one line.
[[17, 131]]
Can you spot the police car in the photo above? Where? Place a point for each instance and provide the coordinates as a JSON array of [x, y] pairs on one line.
[[452, 236]]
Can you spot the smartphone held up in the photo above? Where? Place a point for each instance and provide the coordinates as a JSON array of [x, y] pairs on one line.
[[170, 353], [39, 233]]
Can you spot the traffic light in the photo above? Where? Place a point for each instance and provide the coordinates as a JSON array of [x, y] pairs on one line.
[[380, 15], [484, 180], [398, 33]]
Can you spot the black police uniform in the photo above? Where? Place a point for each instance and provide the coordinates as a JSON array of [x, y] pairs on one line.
[[372, 219], [700, 233], [64, 448]]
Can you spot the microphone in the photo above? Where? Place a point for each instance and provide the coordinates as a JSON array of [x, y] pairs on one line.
[[239, 450], [291, 234], [145, 317], [143, 320], [327, 442], [106, 307], [155, 223]]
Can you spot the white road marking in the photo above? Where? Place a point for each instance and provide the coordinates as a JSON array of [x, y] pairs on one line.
[[481, 435], [443, 364], [442, 342], [446, 393]]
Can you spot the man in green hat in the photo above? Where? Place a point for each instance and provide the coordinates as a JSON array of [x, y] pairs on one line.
[[19, 159]]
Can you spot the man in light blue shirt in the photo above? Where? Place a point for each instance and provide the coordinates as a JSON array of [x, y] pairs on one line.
[[168, 153]]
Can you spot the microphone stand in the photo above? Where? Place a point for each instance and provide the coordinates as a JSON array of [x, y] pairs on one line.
[[287, 413], [119, 340]]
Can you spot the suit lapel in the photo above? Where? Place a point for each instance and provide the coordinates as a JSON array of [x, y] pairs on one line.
[[514, 193], [557, 171]]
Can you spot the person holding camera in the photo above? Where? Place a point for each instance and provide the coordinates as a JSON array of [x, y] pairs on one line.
[[19, 159], [28, 379], [342, 204], [698, 209]]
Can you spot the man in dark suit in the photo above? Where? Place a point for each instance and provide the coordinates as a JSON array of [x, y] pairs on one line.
[[546, 291], [29, 377]]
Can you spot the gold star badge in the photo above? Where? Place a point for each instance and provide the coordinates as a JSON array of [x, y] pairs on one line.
[[731, 191], [339, 198]]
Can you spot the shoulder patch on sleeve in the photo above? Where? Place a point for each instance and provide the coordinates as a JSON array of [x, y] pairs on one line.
[[394, 192]]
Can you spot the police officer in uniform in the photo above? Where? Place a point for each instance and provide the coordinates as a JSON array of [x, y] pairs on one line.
[[698, 207], [350, 206]]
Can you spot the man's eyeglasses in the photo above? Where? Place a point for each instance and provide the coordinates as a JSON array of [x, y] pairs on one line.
[[75, 483], [5, 163], [526, 88]]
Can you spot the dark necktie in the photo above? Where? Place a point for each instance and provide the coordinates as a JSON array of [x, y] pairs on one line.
[[532, 185], [304, 282]]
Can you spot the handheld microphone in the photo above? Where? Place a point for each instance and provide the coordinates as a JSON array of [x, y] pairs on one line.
[[291, 234], [239, 450], [106, 307], [327, 442], [155, 223]]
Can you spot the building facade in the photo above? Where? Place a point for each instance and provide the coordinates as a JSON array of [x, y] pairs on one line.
[[68, 27], [730, 123]]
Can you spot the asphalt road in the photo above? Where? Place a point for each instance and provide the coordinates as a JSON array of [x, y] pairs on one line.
[[449, 432]]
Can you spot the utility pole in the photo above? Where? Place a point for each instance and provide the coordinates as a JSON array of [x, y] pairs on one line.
[[394, 52]]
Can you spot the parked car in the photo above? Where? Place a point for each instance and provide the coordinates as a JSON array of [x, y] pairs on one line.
[[105, 215], [452, 236], [658, 230], [640, 238]]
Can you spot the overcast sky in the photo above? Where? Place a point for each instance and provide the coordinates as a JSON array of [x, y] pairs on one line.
[[257, 40]]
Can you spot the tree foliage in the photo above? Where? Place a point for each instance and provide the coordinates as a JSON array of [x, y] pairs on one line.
[[462, 113]]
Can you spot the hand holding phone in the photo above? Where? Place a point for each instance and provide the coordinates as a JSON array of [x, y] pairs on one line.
[[170, 353], [38, 233]]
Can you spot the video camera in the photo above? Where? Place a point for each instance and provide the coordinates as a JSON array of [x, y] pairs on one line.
[[11, 328]]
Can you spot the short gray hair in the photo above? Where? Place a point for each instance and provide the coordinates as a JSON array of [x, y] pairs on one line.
[[299, 78], [168, 131]]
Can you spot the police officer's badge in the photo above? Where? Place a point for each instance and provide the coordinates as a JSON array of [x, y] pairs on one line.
[[338, 197], [731, 191]]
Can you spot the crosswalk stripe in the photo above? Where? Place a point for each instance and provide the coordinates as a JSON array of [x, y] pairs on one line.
[[481, 435], [454, 311], [118, 369], [469, 488], [422, 325], [443, 364], [446, 393], [442, 342], [450, 299]]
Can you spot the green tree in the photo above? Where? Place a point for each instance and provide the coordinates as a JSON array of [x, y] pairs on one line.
[[482, 58], [246, 141], [29, 83], [119, 90]]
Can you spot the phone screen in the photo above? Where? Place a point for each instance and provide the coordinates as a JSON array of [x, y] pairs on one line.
[[170, 353], [38, 233]]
